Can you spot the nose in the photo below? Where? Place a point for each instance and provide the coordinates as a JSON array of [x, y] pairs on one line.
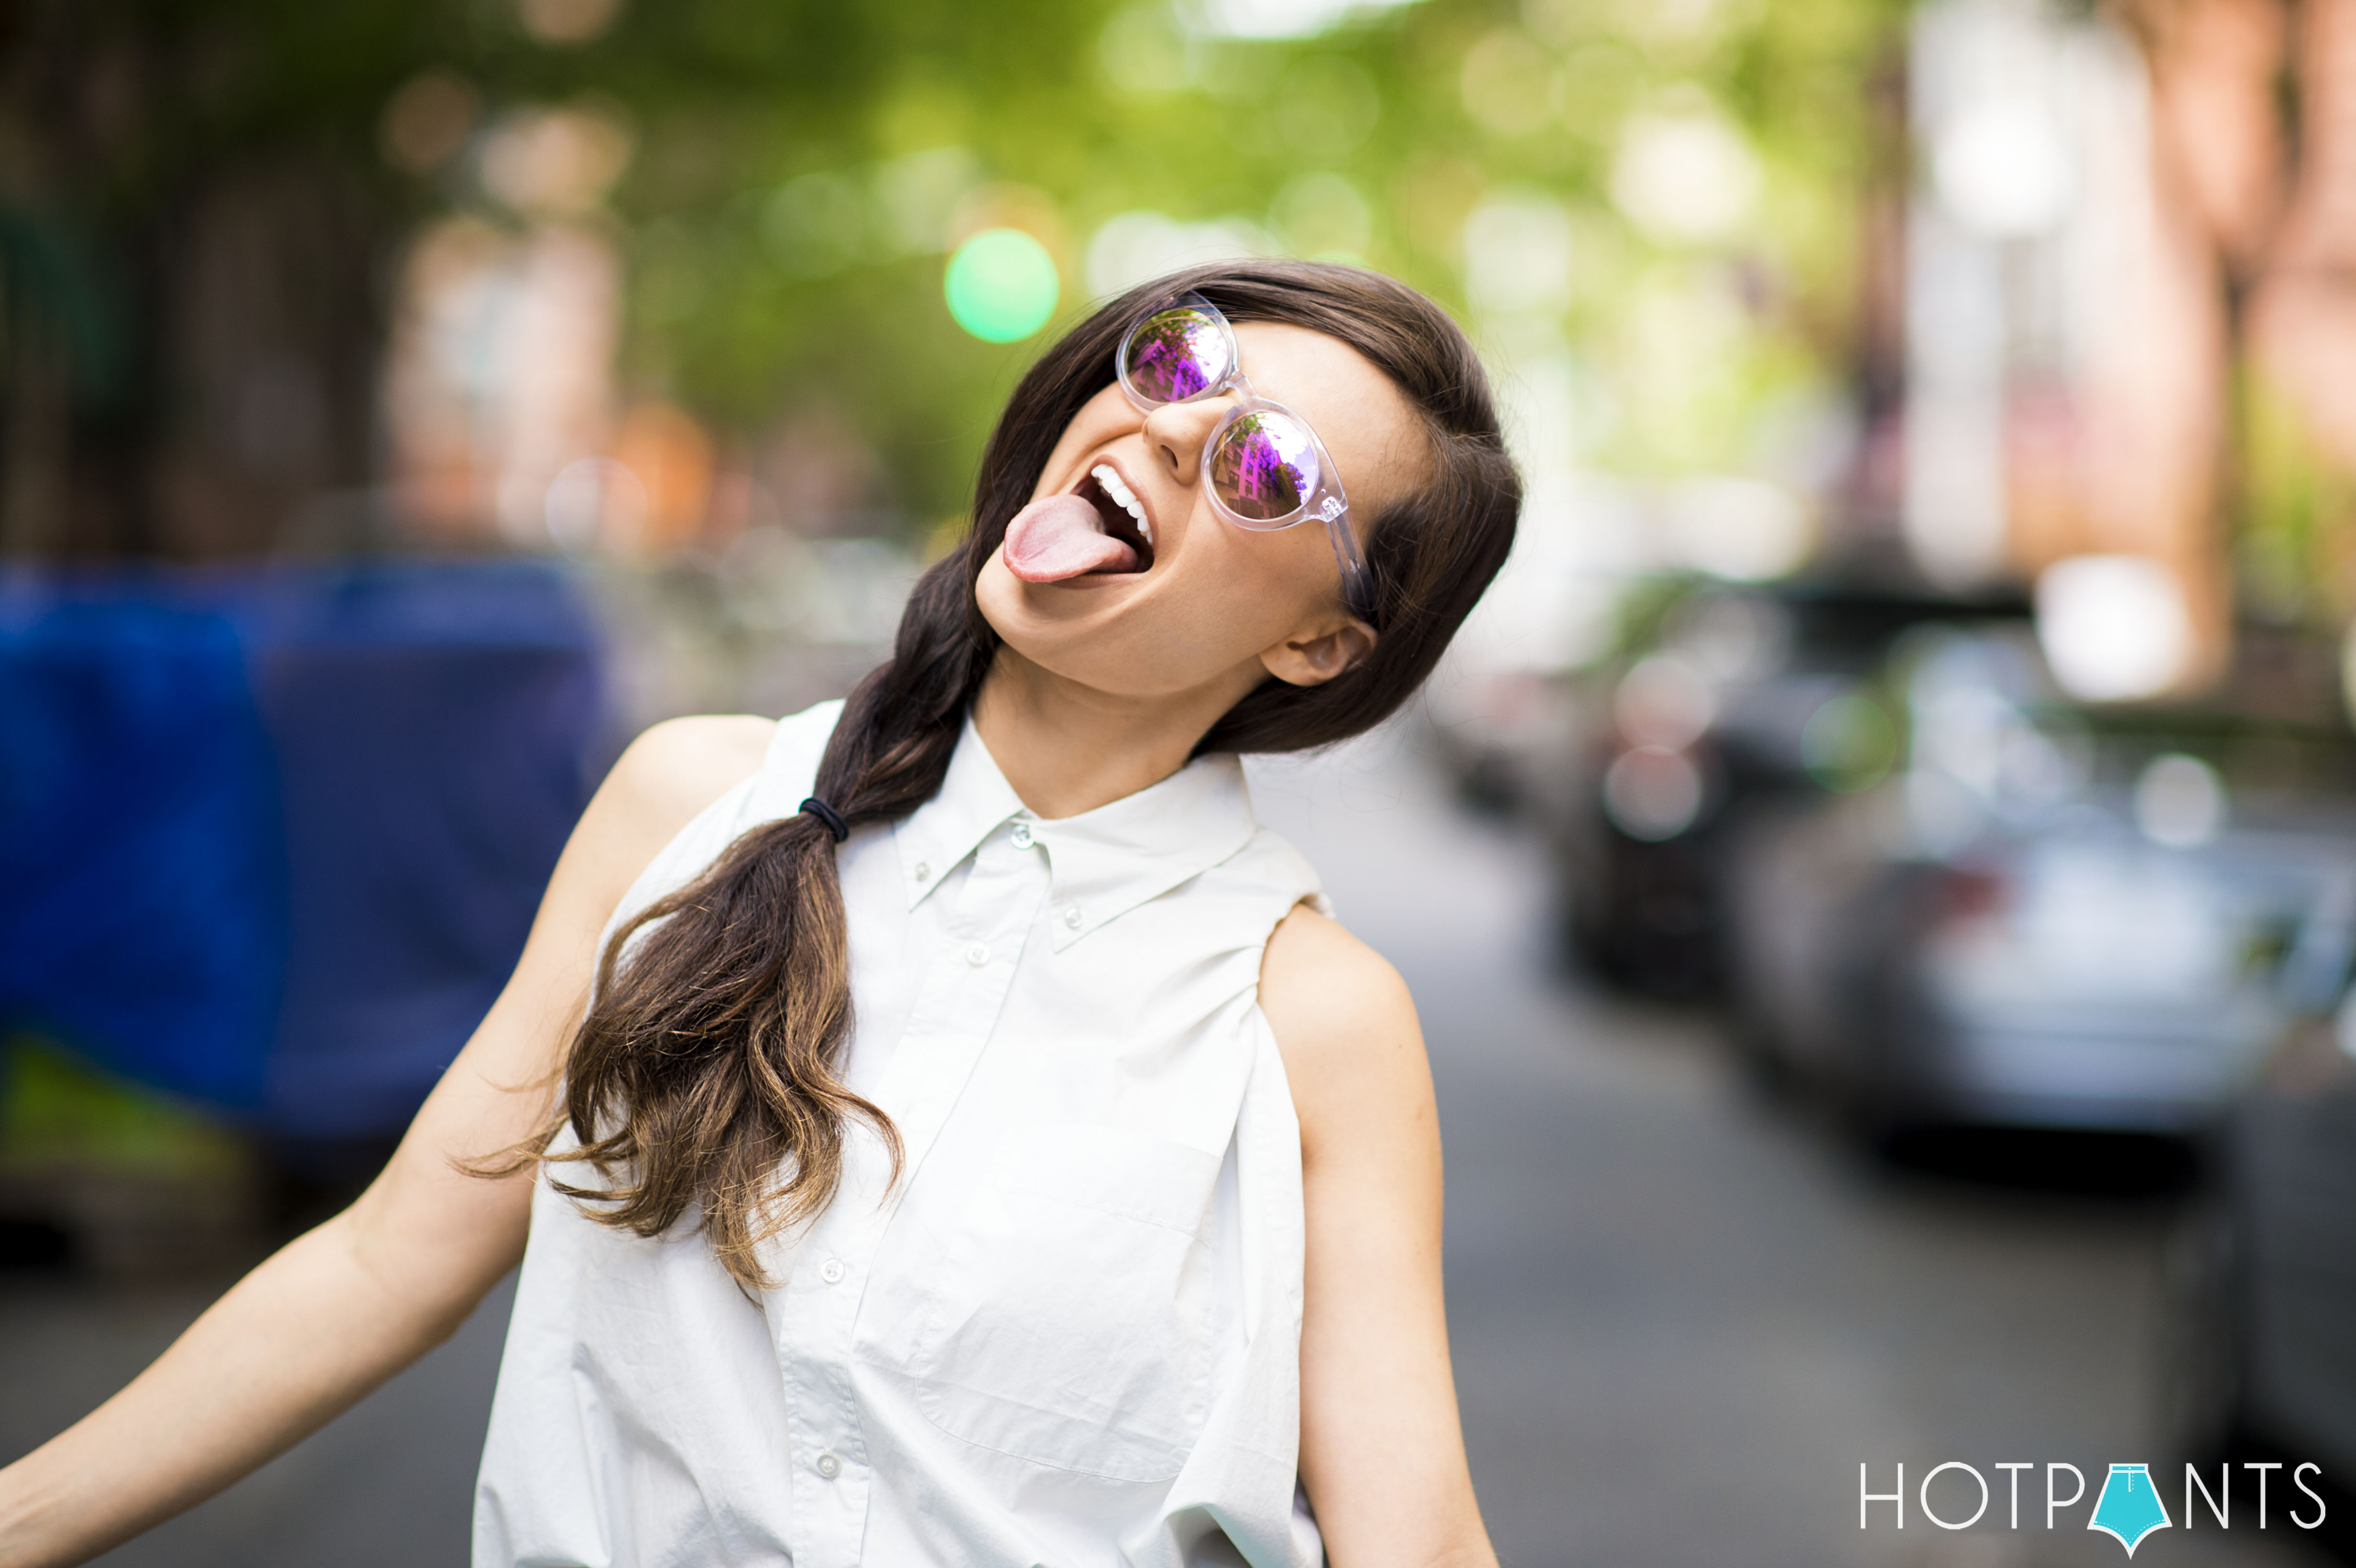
[[1174, 434]]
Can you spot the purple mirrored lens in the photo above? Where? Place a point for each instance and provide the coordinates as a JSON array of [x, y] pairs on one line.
[[1265, 467], [1176, 355]]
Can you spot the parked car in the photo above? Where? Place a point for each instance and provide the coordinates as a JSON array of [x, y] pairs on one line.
[[2053, 915], [2260, 1363], [1732, 698]]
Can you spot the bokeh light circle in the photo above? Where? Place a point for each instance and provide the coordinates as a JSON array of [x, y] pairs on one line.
[[1001, 285]]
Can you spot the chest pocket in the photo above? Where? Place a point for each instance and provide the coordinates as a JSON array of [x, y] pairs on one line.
[[1062, 1312]]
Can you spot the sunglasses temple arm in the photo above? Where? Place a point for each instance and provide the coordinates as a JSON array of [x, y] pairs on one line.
[[1357, 582]]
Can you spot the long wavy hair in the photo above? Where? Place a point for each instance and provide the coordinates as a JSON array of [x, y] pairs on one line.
[[705, 1075]]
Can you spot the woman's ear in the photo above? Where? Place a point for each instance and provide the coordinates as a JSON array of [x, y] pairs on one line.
[[1312, 660]]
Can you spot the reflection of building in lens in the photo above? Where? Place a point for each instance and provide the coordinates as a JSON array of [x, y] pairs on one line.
[[1264, 467], [1177, 355]]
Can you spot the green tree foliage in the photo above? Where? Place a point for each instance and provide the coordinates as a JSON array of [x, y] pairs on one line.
[[798, 166]]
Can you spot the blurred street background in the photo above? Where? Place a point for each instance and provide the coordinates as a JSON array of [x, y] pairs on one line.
[[1879, 870]]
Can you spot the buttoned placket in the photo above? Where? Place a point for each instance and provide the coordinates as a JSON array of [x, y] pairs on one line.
[[963, 988]]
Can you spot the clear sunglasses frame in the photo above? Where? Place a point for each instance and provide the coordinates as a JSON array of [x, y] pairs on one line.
[[1325, 500]]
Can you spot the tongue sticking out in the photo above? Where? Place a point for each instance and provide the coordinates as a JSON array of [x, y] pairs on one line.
[[1060, 537]]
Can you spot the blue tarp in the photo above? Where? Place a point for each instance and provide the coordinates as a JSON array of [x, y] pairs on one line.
[[272, 839]]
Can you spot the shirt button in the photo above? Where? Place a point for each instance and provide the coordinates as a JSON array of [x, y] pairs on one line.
[[831, 1271], [829, 1467], [977, 955], [924, 870], [1023, 836], [1071, 916]]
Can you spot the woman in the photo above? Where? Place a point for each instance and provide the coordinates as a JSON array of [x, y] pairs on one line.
[[975, 1143]]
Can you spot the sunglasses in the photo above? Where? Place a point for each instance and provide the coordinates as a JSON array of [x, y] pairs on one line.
[[1263, 468]]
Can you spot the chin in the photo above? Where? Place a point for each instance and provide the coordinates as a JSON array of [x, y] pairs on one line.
[[1077, 634]]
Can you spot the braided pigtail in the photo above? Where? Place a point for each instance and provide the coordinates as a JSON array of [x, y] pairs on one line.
[[707, 1073]]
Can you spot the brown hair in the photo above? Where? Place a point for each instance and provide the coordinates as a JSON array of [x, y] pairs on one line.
[[705, 1070]]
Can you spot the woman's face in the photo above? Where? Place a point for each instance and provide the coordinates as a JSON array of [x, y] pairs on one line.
[[1211, 604]]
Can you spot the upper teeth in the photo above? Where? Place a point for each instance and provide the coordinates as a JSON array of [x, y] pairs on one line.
[[1110, 478]]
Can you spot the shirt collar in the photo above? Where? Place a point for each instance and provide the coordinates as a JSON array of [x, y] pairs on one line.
[[1103, 863]]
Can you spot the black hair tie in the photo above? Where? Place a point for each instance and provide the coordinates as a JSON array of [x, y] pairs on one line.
[[835, 825]]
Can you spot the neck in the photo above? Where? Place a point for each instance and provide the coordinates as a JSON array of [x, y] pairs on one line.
[[1066, 748]]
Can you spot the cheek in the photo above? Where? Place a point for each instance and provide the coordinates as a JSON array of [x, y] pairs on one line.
[[994, 591], [1279, 579], [1241, 589]]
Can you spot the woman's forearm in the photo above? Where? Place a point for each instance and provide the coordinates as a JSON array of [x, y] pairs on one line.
[[297, 1341]]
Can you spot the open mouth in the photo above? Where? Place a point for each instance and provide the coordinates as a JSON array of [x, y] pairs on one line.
[[1120, 513], [1096, 528]]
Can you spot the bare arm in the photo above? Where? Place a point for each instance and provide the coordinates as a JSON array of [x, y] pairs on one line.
[[1382, 1452], [337, 1311]]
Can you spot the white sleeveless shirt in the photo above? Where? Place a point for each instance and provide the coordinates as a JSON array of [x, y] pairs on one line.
[[1071, 1335]]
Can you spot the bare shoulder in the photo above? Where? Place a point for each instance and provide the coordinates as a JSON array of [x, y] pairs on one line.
[[1345, 1026], [665, 776], [1325, 988], [678, 767]]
